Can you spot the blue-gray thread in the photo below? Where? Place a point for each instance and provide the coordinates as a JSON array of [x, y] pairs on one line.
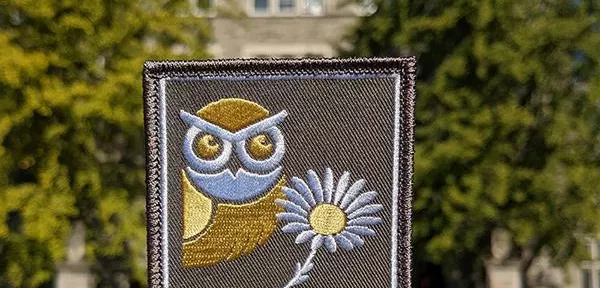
[[303, 198], [352, 193], [239, 138], [198, 163], [241, 187], [303, 190], [267, 164], [224, 185], [328, 185], [341, 187], [295, 197], [291, 207], [240, 135], [315, 185]]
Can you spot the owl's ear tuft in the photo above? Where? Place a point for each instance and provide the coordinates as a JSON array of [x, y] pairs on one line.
[[233, 114]]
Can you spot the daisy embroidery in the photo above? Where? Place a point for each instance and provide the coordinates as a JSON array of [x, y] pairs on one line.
[[327, 215]]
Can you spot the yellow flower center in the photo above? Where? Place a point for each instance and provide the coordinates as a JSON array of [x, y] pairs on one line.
[[327, 219]]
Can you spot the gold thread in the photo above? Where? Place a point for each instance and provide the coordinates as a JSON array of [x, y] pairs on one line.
[[197, 209], [327, 219], [236, 230], [207, 147], [260, 147], [233, 114]]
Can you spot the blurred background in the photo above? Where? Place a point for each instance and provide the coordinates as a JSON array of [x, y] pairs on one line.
[[507, 182]]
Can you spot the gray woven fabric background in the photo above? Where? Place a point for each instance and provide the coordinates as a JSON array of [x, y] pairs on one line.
[[345, 124]]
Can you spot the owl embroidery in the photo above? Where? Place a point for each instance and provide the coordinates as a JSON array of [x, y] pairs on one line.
[[233, 151]]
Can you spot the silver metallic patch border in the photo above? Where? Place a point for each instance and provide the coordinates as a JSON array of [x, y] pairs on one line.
[[155, 75]]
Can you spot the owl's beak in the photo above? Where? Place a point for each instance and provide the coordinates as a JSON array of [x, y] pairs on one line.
[[241, 187]]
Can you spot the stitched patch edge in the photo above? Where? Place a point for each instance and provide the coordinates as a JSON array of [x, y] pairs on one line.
[[154, 76]]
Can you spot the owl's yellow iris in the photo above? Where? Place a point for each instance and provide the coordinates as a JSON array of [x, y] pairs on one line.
[[327, 219], [260, 147], [207, 147]]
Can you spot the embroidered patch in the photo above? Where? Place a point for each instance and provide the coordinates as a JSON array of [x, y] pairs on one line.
[[279, 173]]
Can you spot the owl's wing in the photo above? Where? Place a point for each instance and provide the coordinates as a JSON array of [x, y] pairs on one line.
[[236, 230], [197, 209]]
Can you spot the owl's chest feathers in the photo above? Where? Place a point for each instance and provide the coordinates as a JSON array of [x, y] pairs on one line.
[[234, 230]]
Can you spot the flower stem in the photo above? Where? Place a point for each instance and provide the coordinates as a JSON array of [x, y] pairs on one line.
[[300, 276]]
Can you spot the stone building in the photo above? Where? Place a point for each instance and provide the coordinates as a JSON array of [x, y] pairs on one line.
[[503, 270], [278, 28]]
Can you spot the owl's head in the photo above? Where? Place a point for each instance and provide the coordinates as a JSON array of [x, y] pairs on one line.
[[233, 128]]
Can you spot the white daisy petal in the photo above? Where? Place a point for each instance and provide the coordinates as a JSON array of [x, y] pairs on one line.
[[289, 206], [353, 238], [316, 242], [307, 268], [341, 187], [301, 280], [305, 236], [353, 191], [315, 185], [295, 227], [360, 230], [330, 244], [361, 201], [364, 221], [295, 197], [301, 187], [343, 242], [291, 217], [366, 210], [328, 185]]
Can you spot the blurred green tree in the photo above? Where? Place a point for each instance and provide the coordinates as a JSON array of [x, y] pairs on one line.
[[508, 133], [71, 128]]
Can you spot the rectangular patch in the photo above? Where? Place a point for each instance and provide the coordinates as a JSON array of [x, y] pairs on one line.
[[279, 173]]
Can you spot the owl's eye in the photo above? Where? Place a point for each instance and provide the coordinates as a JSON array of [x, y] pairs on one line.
[[207, 147], [204, 152], [262, 152], [260, 147]]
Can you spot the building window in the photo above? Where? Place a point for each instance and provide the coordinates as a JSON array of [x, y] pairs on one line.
[[313, 7], [586, 278], [261, 6], [590, 270], [287, 6]]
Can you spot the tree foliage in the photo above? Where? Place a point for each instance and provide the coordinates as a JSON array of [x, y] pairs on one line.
[[508, 133], [71, 128]]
